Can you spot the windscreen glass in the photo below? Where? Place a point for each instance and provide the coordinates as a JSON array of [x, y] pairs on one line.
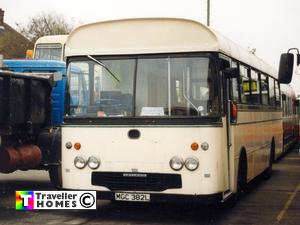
[[143, 87], [48, 52]]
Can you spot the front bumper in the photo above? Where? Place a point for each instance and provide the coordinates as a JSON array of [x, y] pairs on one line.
[[159, 197]]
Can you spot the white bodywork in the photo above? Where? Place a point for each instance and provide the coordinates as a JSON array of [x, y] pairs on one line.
[[155, 35], [148, 154], [158, 144]]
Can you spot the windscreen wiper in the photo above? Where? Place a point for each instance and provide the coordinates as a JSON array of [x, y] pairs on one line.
[[186, 97], [104, 66]]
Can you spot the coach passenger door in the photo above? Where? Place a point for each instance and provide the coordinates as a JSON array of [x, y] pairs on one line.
[[231, 74]]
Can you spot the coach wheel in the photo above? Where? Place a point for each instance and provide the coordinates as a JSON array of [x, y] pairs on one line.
[[242, 175], [241, 182]]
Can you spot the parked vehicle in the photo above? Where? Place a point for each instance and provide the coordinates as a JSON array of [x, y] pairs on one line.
[[54, 67], [50, 47], [290, 116], [25, 113], [189, 116]]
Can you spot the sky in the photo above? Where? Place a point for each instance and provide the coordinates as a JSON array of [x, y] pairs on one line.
[[270, 26]]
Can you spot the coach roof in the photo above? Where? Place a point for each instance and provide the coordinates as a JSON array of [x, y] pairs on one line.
[[155, 35], [49, 39]]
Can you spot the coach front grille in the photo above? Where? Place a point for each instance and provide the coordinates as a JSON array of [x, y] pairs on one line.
[[136, 181]]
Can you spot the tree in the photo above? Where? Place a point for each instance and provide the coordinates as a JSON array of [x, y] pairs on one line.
[[45, 24]]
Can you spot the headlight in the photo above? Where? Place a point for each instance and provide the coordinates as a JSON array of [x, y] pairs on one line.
[[79, 162], [191, 163], [93, 162], [176, 163]]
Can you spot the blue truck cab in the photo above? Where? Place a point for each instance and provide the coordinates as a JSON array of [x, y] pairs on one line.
[[45, 66]]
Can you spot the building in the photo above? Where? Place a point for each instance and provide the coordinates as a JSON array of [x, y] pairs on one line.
[[12, 43]]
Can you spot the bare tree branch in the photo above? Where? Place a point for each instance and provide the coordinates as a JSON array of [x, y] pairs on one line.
[[45, 24]]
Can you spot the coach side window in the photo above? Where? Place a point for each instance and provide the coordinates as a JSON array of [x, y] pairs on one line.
[[264, 89], [254, 87], [234, 85], [245, 82], [295, 107], [288, 106], [284, 104], [277, 93], [271, 91]]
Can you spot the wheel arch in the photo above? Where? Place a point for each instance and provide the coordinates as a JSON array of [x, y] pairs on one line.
[[242, 166]]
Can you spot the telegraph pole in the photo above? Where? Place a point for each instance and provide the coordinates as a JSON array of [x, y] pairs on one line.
[[208, 13]]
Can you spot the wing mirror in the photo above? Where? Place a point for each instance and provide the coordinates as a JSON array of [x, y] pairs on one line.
[[286, 66]]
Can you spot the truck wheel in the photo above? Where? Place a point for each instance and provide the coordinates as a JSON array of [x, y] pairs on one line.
[[55, 176]]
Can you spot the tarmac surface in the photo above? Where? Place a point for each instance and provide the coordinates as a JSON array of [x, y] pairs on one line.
[[275, 201]]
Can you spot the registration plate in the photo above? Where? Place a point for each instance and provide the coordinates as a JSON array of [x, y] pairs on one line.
[[132, 197]]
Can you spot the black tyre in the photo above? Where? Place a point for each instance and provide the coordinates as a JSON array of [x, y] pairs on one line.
[[55, 176], [242, 176], [241, 182]]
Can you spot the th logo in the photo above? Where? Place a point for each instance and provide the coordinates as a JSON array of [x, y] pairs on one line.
[[24, 200]]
